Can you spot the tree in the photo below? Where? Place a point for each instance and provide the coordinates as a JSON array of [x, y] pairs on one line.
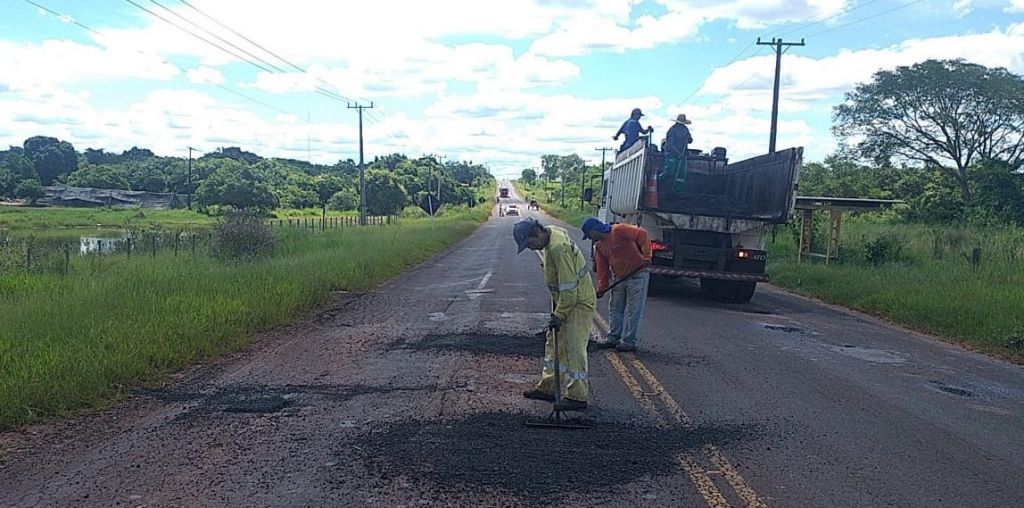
[[236, 185], [14, 167], [945, 114], [51, 157], [327, 186], [529, 176], [29, 189], [345, 200], [102, 176], [384, 195]]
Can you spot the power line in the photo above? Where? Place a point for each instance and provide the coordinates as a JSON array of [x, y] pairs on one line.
[[165, 62], [844, 12], [219, 38], [873, 16], [218, 46], [371, 117], [263, 48]]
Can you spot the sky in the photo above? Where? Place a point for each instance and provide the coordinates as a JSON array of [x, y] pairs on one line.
[[493, 82]]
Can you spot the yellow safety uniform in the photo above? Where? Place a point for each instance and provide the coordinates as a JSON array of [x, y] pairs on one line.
[[574, 300]]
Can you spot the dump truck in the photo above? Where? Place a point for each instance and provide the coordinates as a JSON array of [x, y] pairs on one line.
[[503, 192], [706, 216]]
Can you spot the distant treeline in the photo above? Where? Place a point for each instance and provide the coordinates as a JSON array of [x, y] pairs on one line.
[[232, 177]]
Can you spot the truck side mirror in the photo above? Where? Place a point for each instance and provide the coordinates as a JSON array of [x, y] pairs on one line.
[[588, 194]]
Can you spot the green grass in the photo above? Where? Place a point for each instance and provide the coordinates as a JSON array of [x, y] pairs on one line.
[[570, 214], [931, 286], [15, 218], [77, 341]]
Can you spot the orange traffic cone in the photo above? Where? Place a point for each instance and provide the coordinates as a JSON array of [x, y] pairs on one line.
[[650, 199]]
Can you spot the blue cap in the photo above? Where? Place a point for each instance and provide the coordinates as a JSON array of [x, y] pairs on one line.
[[522, 232], [591, 224]]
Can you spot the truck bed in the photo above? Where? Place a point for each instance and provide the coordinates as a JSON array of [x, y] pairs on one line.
[[759, 189]]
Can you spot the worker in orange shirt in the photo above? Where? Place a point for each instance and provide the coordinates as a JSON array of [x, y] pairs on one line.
[[624, 251]]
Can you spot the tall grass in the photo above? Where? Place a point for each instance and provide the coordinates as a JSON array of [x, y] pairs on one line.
[[75, 341], [931, 286], [15, 218]]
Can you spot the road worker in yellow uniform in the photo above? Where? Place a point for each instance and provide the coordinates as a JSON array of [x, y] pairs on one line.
[[573, 301]]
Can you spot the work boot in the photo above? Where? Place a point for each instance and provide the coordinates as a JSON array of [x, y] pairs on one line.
[[536, 394], [605, 344], [571, 405], [624, 347]]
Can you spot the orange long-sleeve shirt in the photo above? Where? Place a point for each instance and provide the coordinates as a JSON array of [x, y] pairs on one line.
[[627, 248]]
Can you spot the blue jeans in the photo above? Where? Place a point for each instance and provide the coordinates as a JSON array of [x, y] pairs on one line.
[[626, 309]]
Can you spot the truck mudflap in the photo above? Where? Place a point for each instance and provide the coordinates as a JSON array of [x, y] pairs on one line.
[[708, 274]]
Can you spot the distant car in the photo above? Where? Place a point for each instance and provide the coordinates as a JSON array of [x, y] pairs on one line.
[[512, 210]]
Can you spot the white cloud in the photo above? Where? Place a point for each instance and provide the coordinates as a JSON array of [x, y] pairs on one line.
[[24, 66], [813, 78], [1015, 6], [962, 7], [205, 76]]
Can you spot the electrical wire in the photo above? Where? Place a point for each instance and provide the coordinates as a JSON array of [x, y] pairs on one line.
[[165, 62], [873, 16]]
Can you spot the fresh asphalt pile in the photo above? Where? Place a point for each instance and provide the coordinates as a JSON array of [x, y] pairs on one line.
[[496, 452]]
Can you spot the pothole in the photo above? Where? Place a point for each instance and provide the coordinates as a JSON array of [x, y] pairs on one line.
[[486, 344], [952, 390], [496, 451], [783, 328]]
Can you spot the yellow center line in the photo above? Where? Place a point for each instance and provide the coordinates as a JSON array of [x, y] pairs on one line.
[[705, 487], [635, 389], [733, 476]]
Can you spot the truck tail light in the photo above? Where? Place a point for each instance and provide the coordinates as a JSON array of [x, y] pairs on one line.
[[657, 246], [743, 254]]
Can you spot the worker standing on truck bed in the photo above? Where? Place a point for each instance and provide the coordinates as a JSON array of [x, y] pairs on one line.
[[624, 250], [573, 299], [676, 142], [632, 129]]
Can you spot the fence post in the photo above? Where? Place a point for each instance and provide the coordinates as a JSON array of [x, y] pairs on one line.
[[67, 258], [177, 238], [129, 250], [28, 255], [153, 245], [193, 237]]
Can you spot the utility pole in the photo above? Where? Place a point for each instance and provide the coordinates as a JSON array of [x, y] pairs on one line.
[[189, 181], [603, 151], [362, 166], [583, 183], [777, 46]]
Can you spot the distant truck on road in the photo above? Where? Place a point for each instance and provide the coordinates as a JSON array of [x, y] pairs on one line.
[[503, 192], [706, 217]]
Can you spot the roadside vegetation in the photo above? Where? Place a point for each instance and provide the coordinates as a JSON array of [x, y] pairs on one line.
[[944, 138], [79, 340]]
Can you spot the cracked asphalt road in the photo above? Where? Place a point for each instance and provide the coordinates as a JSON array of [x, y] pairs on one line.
[[410, 395]]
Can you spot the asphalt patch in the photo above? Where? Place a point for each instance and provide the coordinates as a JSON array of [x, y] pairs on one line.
[[480, 343], [496, 451], [261, 399]]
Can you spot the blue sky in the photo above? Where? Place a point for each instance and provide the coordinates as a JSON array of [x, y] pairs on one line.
[[494, 82]]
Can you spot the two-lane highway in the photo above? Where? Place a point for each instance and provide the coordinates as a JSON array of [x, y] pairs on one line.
[[410, 395]]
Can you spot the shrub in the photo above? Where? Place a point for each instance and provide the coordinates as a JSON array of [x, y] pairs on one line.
[[242, 236], [886, 248]]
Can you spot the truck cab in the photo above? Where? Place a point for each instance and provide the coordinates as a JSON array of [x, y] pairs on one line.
[[705, 216]]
